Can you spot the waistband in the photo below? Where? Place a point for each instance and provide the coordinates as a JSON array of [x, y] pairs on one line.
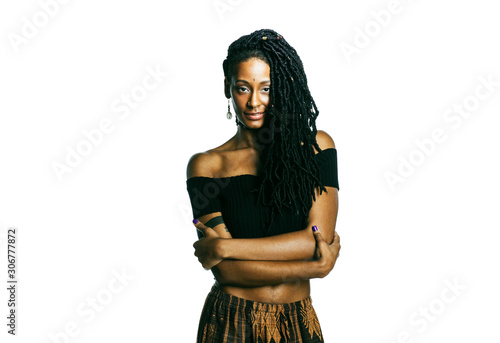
[[216, 293]]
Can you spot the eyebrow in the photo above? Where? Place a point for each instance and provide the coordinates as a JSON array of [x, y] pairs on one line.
[[244, 81]]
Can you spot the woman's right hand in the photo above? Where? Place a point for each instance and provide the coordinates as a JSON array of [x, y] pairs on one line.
[[207, 248], [326, 254]]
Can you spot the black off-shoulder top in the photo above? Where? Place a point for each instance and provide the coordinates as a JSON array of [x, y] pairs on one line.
[[244, 216]]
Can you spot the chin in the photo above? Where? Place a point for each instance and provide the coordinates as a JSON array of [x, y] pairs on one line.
[[252, 124]]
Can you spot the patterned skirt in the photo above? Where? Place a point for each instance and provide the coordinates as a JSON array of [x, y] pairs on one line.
[[226, 318]]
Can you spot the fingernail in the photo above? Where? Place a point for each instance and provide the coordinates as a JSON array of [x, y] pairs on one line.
[[315, 228], [195, 221]]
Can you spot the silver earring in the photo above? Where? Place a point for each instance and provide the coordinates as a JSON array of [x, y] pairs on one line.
[[229, 115]]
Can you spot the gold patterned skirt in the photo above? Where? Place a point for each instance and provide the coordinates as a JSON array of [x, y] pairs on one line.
[[227, 318]]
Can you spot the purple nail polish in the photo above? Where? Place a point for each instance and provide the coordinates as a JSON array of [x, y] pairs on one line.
[[315, 228], [195, 221]]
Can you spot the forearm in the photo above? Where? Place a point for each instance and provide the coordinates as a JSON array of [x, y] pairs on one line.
[[264, 273], [298, 245]]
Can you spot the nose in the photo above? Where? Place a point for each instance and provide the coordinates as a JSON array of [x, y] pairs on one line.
[[254, 101]]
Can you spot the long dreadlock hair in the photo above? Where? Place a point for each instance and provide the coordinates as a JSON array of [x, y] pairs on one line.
[[289, 171]]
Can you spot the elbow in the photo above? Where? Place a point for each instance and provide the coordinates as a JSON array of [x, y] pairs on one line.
[[219, 275], [226, 275], [223, 274]]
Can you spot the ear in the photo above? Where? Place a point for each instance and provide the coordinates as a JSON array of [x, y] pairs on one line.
[[227, 88]]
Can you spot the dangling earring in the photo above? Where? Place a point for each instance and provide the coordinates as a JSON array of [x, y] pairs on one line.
[[229, 115]]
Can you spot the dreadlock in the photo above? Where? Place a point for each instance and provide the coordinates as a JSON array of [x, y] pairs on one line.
[[290, 173]]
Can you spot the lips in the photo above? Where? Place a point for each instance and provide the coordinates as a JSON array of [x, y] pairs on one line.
[[254, 116]]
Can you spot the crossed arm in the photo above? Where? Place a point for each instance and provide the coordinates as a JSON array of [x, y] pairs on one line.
[[277, 259]]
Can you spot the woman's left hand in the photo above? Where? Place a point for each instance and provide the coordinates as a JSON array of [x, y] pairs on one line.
[[207, 248]]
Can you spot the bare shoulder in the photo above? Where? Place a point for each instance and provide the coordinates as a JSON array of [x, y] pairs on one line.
[[325, 141], [203, 164]]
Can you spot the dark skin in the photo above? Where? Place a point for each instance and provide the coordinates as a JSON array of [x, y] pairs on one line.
[[273, 269]]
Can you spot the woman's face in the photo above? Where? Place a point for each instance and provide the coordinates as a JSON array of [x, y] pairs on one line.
[[249, 90]]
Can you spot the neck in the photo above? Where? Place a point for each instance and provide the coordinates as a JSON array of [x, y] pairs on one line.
[[246, 138]]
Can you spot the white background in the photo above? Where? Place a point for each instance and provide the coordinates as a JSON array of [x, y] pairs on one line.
[[125, 205]]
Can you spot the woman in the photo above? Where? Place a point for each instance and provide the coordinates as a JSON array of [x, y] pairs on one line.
[[260, 200]]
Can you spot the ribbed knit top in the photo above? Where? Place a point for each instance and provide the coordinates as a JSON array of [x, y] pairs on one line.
[[236, 198]]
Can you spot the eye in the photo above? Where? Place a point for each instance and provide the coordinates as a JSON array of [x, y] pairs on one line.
[[242, 89], [266, 89]]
